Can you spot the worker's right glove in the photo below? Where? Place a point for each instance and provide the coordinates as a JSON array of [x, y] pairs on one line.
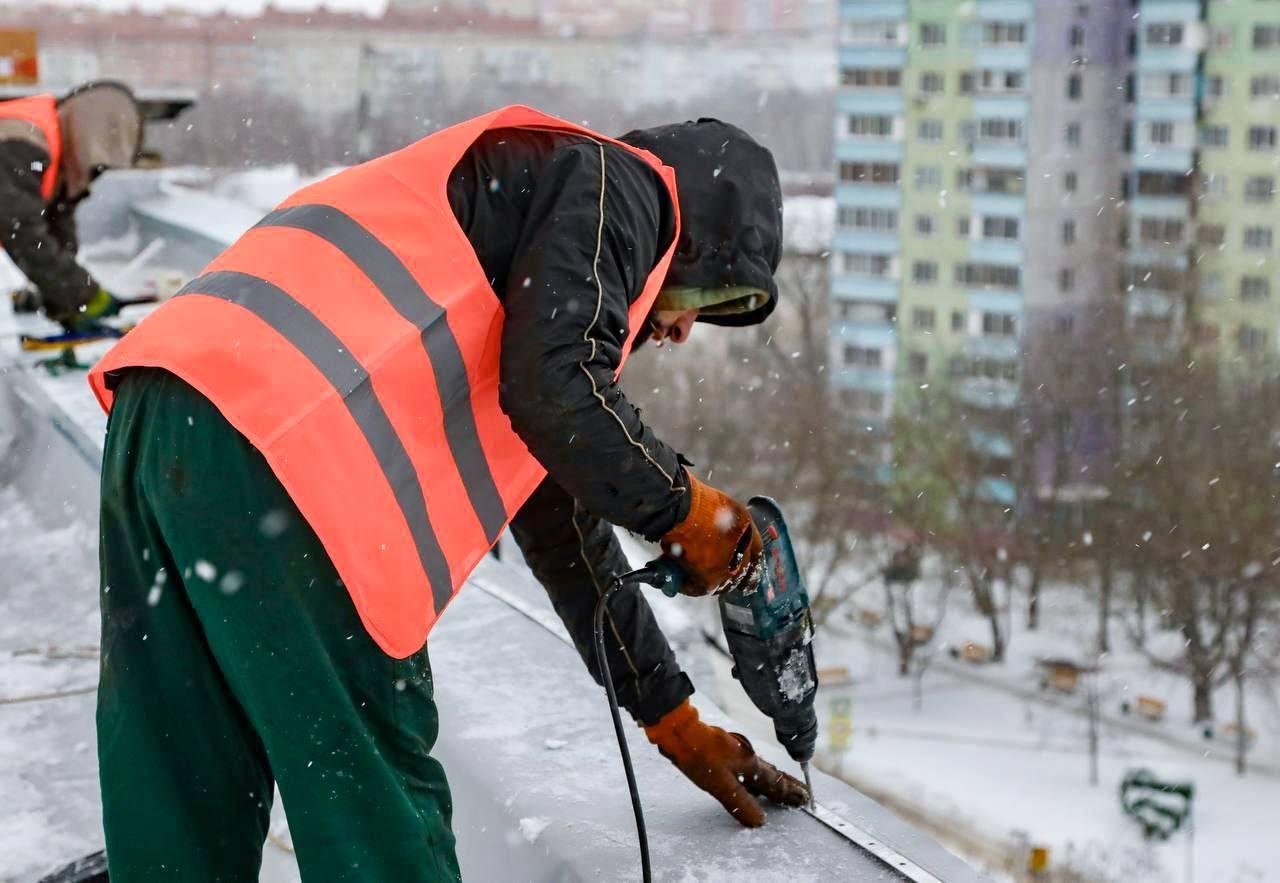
[[723, 764], [717, 545]]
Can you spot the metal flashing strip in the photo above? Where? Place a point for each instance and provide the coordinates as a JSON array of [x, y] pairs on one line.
[[899, 863]]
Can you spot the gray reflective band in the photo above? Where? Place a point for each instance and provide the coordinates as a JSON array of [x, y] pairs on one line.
[[326, 352], [390, 276]]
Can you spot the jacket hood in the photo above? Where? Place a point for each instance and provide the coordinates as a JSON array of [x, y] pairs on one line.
[[101, 129], [730, 211]]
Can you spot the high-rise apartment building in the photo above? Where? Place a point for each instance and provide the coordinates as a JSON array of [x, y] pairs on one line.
[[1002, 163]]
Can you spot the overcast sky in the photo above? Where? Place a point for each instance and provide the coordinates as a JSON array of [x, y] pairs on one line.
[[243, 7]]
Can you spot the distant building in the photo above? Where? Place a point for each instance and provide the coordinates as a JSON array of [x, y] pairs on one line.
[[1001, 163]]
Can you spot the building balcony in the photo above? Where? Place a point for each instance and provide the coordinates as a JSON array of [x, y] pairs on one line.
[[981, 392], [999, 153], [852, 239], [1002, 57], [1163, 159], [987, 301], [1160, 206], [868, 149], [998, 490], [1002, 107], [1149, 302], [1004, 348], [998, 204], [881, 10], [997, 251], [872, 56], [1166, 58], [865, 288], [868, 334], [852, 377], [868, 195], [870, 101]]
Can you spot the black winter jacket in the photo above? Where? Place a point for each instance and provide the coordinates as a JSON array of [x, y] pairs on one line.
[[567, 230], [39, 237]]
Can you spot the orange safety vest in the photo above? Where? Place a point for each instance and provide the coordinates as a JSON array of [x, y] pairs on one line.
[[41, 111], [353, 338]]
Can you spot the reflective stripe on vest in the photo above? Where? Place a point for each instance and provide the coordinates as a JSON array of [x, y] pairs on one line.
[[352, 337], [41, 111]]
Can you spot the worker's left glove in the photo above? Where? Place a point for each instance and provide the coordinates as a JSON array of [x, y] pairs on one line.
[[724, 765], [103, 305], [27, 300]]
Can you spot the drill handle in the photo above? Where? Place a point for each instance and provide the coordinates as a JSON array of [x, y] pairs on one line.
[[661, 573]]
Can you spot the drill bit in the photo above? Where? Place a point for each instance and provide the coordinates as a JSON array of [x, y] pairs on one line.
[[808, 783]]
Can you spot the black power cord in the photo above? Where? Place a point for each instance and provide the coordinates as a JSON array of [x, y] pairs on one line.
[[603, 662]]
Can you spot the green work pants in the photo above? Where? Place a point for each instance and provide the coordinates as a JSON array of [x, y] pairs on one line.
[[232, 660]]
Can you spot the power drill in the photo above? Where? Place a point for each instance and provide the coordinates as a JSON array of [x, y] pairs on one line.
[[770, 634]]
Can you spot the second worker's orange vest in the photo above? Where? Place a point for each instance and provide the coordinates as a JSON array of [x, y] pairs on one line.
[[353, 338], [41, 111]]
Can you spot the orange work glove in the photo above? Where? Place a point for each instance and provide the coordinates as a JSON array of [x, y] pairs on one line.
[[723, 764], [717, 544]]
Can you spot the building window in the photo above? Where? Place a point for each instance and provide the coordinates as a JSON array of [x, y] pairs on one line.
[[962, 227], [1265, 86], [1213, 136], [1212, 186], [863, 401], [923, 319], [1068, 232], [1266, 36], [880, 220], [929, 130], [1211, 284], [869, 33], [1160, 132], [928, 178], [988, 276], [862, 263], [863, 356], [999, 129], [1004, 33], [1250, 339], [1257, 238], [996, 227], [1259, 188], [957, 320], [1075, 87], [924, 225], [931, 83], [1164, 34], [999, 324], [1161, 231], [1262, 137], [924, 272], [868, 173], [917, 363], [1211, 235], [871, 77], [933, 34], [865, 125], [1073, 134], [868, 312], [1255, 288], [1215, 86], [1070, 182], [1167, 84], [998, 81], [1075, 38]]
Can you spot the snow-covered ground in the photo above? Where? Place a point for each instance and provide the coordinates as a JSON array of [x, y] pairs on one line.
[[993, 756]]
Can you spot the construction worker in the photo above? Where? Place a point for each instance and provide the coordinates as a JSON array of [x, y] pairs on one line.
[[311, 446], [51, 150]]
